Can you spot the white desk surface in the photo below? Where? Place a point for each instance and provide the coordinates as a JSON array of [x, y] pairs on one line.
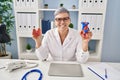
[[44, 67]]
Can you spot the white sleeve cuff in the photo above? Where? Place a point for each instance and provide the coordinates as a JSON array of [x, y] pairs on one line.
[[40, 53], [83, 57], [83, 52]]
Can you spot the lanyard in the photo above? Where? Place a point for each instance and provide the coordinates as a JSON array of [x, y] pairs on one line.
[[34, 70]]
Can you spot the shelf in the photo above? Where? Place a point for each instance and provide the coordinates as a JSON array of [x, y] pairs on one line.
[[28, 56], [26, 9], [24, 35], [89, 10], [55, 9]]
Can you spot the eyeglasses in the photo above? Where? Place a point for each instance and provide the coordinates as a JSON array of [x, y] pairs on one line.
[[60, 19]]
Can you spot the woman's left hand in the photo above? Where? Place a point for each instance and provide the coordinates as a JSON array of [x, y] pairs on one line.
[[85, 39], [86, 36]]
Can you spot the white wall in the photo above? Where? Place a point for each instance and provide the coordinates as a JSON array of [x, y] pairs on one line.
[[111, 42]]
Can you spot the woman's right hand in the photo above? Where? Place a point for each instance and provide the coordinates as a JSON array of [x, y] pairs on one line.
[[36, 35]]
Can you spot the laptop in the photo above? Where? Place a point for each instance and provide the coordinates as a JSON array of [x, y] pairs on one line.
[[65, 70]]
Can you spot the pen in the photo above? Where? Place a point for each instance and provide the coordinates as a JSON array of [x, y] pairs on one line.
[[105, 73], [96, 73]]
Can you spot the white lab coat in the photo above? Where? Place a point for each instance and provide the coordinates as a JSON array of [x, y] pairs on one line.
[[70, 50]]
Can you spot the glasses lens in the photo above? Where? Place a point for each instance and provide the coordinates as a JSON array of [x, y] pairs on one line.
[[60, 19]]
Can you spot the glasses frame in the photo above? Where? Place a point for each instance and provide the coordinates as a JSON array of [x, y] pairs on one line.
[[65, 19]]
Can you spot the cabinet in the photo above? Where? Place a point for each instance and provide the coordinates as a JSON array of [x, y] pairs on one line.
[[29, 13], [27, 17]]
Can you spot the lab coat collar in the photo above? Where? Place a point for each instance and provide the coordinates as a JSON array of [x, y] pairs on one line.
[[67, 39], [57, 36]]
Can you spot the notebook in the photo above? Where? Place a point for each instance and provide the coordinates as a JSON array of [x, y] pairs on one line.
[[65, 70]]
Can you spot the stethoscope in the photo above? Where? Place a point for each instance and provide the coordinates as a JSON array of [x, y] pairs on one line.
[[33, 70]]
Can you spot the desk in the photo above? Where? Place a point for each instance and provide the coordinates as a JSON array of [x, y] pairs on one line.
[[44, 67]]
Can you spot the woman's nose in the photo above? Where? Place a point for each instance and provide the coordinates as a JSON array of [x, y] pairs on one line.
[[62, 21]]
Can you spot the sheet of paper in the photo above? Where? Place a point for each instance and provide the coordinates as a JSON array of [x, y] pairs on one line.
[[112, 73]]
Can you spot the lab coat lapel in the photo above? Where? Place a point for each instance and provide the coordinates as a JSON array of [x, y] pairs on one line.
[[57, 36], [68, 38]]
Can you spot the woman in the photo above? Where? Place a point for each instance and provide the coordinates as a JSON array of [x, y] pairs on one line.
[[63, 43]]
